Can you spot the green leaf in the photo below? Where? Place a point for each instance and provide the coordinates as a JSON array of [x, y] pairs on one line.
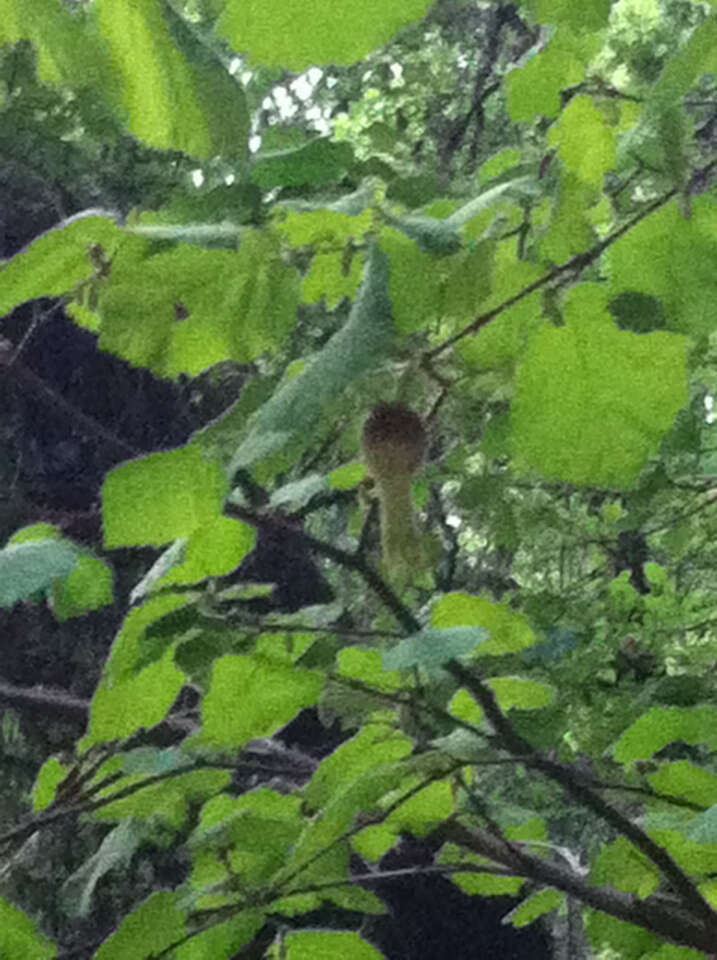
[[37, 532], [684, 779], [150, 929], [219, 92], [238, 305], [51, 775], [328, 279], [373, 842], [464, 707], [374, 744], [423, 811], [523, 825], [158, 89], [292, 412], [537, 905], [568, 421], [320, 162], [304, 225], [296, 903], [296, 34], [695, 858], [682, 690], [674, 135], [128, 651], [88, 587], [436, 237], [534, 89], [126, 700], [486, 885], [56, 35], [332, 865], [499, 163], [213, 550], [360, 663], [521, 693], [253, 833], [662, 725], [589, 15], [627, 941], [585, 141], [432, 647], [324, 945], [510, 275], [19, 936], [638, 312], [622, 866], [570, 230], [28, 568], [354, 898], [703, 829], [254, 697], [669, 951], [168, 801], [115, 852], [467, 283], [415, 281], [139, 701], [161, 497], [671, 258], [697, 57], [413, 191], [501, 343], [509, 631], [56, 262], [347, 476], [224, 940], [359, 796]]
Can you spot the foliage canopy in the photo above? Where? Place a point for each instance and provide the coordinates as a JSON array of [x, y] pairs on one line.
[[516, 237]]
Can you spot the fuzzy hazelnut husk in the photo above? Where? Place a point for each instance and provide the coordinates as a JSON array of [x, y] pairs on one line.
[[394, 444], [394, 440]]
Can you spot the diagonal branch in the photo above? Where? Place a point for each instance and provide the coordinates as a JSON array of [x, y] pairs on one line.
[[576, 264], [657, 914], [563, 775], [695, 923], [351, 561]]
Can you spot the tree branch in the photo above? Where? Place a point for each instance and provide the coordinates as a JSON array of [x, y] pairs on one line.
[[343, 558], [563, 775], [657, 914], [576, 264]]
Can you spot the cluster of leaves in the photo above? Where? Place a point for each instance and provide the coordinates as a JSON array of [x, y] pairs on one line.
[[551, 320]]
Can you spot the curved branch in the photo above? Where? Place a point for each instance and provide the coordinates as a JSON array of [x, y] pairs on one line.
[[563, 775], [657, 914]]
